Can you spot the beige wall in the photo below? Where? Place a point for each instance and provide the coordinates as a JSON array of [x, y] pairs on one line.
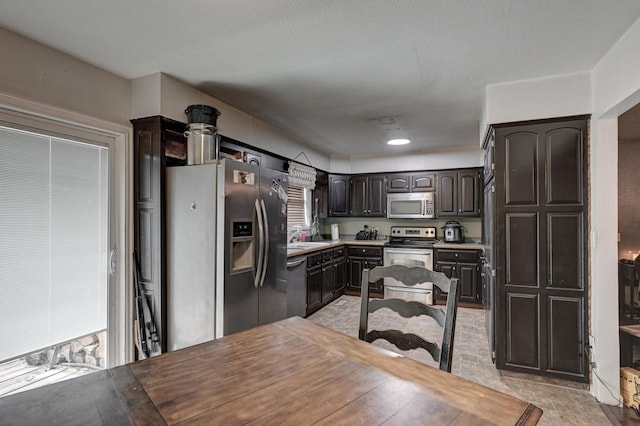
[[37, 73], [161, 94]]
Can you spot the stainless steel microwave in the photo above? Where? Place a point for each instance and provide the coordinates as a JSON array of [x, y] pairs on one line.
[[411, 205]]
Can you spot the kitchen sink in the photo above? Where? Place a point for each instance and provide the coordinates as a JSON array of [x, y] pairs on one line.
[[307, 245]]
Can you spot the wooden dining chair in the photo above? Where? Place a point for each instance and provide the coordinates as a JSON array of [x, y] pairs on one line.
[[441, 353]]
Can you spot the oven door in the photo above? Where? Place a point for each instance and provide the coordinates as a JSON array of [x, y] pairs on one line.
[[409, 257]]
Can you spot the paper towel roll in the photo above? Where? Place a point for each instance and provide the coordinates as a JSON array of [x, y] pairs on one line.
[[335, 234]]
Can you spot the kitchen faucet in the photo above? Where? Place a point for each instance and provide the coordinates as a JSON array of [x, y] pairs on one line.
[[294, 235]]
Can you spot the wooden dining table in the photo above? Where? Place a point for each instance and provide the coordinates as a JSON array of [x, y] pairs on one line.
[[291, 372]]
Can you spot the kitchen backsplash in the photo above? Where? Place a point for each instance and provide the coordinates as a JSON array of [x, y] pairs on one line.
[[350, 226]]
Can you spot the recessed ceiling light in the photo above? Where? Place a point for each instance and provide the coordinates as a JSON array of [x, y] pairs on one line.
[[398, 141]]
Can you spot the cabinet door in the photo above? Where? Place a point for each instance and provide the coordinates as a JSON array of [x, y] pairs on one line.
[[157, 142], [468, 275], [321, 193], [489, 165], [339, 195], [356, 265], [328, 282], [377, 196], [447, 268], [423, 182], [314, 289], [359, 204], [369, 263], [447, 194], [469, 193], [340, 266], [541, 245], [398, 183]]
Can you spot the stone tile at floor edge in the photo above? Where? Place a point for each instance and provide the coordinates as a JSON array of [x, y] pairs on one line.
[[557, 393]]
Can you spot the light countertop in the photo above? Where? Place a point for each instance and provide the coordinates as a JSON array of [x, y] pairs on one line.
[[350, 240], [344, 240]]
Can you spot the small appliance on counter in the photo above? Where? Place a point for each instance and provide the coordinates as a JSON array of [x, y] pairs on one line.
[[453, 232], [367, 234]]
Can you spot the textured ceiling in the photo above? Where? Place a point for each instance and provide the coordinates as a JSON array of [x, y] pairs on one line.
[[326, 70]]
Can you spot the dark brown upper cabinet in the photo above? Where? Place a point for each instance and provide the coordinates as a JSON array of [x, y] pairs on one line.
[[423, 182], [398, 182], [339, 191], [489, 149], [369, 195], [411, 182], [321, 193], [459, 193]]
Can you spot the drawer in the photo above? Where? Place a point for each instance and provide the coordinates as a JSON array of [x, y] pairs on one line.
[[314, 259], [365, 251], [338, 252], [327, 255], [448, 255]]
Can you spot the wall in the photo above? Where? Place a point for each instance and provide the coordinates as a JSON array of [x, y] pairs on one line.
[[548, 97], [616, 88], [424, 160], [161, 94], [38, 73]]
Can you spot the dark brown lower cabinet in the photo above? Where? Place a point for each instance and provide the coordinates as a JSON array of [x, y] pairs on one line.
[[314, 282], [326, 277], [541, 247], [363, 257], [462, 264], [340, 265]]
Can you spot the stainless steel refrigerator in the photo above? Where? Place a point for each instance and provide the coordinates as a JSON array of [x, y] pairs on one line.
[[254, 201], [226, 250]]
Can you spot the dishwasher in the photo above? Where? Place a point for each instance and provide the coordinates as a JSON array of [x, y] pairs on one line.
[[296, 277]]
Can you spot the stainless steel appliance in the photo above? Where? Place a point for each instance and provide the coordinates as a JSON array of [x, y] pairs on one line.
[[413, 205], [226, 250], [192, 309], [297, 286], [453, 232], [410, 246], [253, 268]]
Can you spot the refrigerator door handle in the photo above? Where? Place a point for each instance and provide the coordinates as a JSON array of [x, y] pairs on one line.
[[258, 270], [265, 257]]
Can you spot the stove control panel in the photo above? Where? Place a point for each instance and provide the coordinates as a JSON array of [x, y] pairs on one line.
[[422, 232]]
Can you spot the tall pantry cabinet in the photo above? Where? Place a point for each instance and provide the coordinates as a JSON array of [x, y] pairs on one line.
[[158, 142], [540, 239]]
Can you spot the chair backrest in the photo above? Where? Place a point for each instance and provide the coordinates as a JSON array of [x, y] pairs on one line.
[[411, 276]]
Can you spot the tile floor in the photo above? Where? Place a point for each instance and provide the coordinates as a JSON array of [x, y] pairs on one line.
[[563, 402]]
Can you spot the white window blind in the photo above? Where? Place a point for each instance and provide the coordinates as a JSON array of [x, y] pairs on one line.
[[53, 240], [297, 210]]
